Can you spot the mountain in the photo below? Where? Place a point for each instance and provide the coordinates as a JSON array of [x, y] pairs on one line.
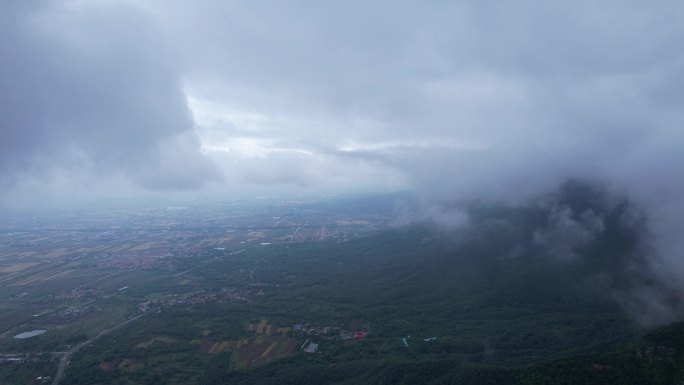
[[548, 291]]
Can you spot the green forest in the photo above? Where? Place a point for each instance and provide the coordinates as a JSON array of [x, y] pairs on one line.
[[482, 304]]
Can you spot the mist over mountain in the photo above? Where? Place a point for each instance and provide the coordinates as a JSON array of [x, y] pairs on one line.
[[605, 237]]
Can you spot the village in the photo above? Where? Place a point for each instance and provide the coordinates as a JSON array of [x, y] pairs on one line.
[[329, 332], [68, 315], [313, 332], [197, 298]]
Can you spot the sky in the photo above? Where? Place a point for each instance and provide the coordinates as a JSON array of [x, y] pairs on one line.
[[454, 100]]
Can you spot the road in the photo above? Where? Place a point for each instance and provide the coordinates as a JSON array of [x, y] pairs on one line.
[[64, 361]]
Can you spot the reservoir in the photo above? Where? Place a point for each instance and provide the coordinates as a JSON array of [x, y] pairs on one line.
[[30, 334]]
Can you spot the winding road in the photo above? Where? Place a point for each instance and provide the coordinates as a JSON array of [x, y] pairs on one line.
[[64, 361]]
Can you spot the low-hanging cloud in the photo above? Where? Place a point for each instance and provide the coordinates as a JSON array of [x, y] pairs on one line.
[[565, 234]]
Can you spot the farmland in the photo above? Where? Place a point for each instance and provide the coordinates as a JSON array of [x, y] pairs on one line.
[[76, 275], [304, 294]]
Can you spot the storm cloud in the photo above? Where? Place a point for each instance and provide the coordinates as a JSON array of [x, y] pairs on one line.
[[457, 99]]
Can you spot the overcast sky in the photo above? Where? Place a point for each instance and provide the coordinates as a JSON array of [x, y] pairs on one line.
[[455, 99]]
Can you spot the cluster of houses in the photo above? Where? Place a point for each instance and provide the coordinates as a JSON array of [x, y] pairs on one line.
[[329, 332], [313, 332], [68, 315], [195, 298], [79, 293], [309, 346], [136, 260], [24, 358], [14, 359]]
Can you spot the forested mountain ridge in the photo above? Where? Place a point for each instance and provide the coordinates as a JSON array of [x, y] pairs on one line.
[[542, 292]]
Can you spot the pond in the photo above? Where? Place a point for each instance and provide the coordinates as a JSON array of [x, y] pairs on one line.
[[30, 334]]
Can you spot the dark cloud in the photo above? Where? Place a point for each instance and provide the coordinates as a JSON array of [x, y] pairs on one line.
[[96, 85], [514, 98]]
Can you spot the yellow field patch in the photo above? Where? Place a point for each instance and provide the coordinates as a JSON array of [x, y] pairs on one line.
[[218, 347], [17, 267], [144, 246], [224, 345], [123, 248], [352, 222], [130, 365], [99, 248], [62, 251], [269, 350], [108, 366], [255, 235], [60, 274], [261, 327], [213, 347], [148, 343], [205, 242], [43, 276]]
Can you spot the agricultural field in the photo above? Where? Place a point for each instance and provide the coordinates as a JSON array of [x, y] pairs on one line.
[[75, 277], [262, 351], [272, 308]]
